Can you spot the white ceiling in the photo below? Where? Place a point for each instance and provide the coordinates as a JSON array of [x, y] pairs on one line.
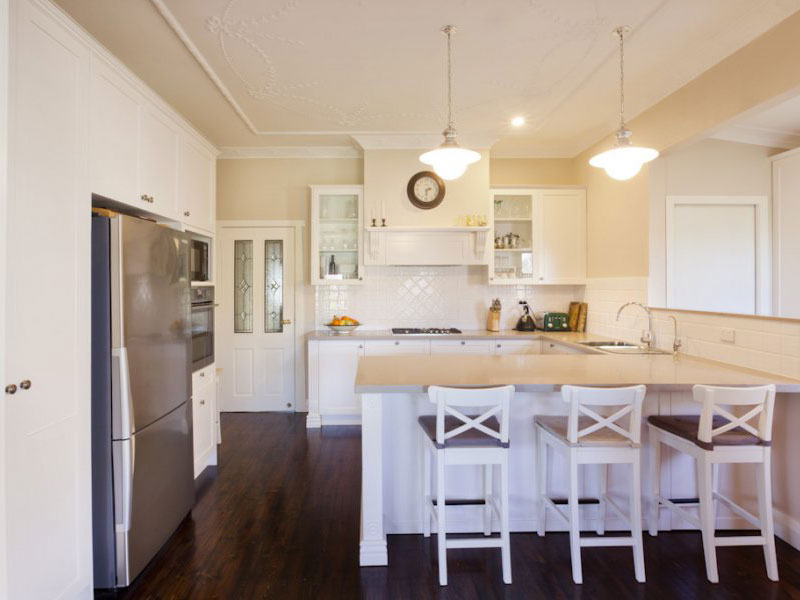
[[313, 72], [777, 126]]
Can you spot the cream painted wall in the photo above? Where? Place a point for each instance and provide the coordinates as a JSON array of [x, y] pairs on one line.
[[277, 188], [532, 171], [762, 72], [386, 175]]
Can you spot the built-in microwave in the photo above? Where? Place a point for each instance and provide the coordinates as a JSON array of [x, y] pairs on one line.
[[202, 327], [199, 260]]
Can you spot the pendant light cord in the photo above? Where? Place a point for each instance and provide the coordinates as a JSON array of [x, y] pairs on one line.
[[448, 31], [621, 32]]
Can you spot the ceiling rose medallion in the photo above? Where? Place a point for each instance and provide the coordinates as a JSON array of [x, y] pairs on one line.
[[624, 160], [449, 161]]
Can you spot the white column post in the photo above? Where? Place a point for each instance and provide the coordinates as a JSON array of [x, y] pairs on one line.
[[372, 551]]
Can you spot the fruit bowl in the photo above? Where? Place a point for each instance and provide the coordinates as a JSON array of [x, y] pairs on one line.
[[343, 325], [343, 329]]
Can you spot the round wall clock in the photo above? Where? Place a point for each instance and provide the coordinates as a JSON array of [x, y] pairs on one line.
[[425, 190]]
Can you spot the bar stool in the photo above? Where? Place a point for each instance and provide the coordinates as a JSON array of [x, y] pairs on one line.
[[587, 437], [717, 437], [453, 438]]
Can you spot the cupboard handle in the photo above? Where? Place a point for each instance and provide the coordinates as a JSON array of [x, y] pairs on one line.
[[25, 384], [463, 343], [286, 322], [360, 347], [202, 374], [202, 401], [498, 345], [11, 389], [397, 343], [186, 213]]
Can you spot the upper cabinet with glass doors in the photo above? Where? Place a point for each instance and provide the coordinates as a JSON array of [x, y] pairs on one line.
[[337, 234], [539, 237]]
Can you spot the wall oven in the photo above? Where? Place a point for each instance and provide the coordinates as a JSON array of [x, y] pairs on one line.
[[202, 327]]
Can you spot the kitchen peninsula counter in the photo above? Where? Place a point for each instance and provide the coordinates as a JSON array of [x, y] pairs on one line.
[[392, 392]]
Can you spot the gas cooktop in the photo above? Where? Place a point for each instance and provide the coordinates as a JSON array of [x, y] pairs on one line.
[[425, 330]]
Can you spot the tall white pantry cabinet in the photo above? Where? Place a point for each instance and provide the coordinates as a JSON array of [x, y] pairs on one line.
[[60, 148]]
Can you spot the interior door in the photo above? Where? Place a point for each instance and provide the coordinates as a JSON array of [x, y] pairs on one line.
[[255, 332]]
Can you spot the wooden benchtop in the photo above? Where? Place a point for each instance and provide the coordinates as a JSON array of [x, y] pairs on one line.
[[547, 372]]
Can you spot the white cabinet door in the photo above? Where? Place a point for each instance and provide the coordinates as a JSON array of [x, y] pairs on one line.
[[158, 161], [517, 346], [46, 427], [397, 347], [562, 236], [114, 136], [338, 363], [337, 232], [203, 424], [196, 180], [461, 346]]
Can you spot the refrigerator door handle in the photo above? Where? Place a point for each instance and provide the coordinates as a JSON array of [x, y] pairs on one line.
[[123, 428]]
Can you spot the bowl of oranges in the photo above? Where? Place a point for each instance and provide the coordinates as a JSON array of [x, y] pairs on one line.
[[343, 325]]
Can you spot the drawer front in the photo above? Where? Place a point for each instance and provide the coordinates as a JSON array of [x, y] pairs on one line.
[[556, 348], [517, 346], [397, 347], [203, 377], [461, 346]]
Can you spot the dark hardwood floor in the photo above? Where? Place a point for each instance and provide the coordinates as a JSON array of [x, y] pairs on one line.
[[279, 518]]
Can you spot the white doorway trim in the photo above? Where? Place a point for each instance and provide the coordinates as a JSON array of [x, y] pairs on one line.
[[760, 204], [300, 395]]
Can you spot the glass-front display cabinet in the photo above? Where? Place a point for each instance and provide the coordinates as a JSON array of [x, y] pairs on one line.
[[337, 234], [513, 244]]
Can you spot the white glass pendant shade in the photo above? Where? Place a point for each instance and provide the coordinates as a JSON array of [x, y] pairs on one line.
[[623, 162], [450, 162]]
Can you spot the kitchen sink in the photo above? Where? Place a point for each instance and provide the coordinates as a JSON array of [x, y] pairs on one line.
[[618, 347]]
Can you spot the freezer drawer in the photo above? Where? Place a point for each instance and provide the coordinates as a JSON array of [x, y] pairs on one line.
[[153, 489]]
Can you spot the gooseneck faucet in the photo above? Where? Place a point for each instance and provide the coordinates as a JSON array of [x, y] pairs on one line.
[[676, 342], [648, 338]]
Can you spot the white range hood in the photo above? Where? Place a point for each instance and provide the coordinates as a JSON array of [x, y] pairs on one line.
[[417, 245]]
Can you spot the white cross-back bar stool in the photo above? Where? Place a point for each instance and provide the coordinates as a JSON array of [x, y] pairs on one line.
[[715, 437], [452, 437], [587, 437]]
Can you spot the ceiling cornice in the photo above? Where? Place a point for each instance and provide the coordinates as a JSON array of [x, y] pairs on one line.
[[228, 152], [418, 141], [758, 136]]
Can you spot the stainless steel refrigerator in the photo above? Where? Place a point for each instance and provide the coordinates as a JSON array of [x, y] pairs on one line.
[[142, 469]]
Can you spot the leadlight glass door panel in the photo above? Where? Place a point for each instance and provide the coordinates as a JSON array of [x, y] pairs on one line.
[[336, 233], [256, 333]]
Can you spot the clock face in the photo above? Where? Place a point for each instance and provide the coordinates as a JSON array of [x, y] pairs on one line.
[[425, 190]]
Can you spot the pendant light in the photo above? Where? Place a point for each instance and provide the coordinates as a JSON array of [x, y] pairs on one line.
[[449, 160], [624, 160]]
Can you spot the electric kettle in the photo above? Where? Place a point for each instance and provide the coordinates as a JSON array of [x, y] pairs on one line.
[[525, 322]]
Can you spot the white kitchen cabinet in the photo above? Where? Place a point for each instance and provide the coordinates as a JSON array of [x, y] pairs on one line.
[[158, 161], [504, 346], [196, 183], [338, 363], [461, 346], [337, 233], [404, 347], [46, 490], [114, 136], [562, 236], [204, 392], [538, 236]]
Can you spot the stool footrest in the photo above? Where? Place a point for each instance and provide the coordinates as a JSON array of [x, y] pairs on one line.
[[475, 542], [607, 541], [740, 540], [580, 500]]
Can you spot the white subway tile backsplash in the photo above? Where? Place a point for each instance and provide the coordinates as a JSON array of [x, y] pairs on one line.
[[434, 297], [763, 344]]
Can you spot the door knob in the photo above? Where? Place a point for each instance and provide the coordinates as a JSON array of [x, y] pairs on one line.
[[25, 384], [11, 389], [286, 322]]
